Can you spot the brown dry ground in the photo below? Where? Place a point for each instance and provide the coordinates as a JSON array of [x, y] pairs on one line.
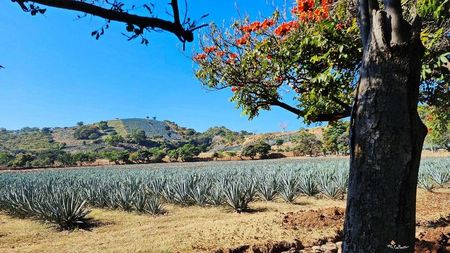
[[192, 229]]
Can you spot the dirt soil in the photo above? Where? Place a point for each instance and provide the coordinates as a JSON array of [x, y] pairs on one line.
[[313, 219], [432, 236]]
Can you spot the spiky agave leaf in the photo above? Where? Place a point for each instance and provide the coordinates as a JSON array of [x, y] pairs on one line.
[[288, 186], [308, 185], [238, 192], [267, 186]]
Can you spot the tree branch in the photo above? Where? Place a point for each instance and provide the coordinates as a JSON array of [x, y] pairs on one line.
[[123, 17], [287, 107], [394, 10], [364, 21], [320, 117], [330, 116]]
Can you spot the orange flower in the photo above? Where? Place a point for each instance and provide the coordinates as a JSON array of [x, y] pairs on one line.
[[220, 53], [267, 23], [303, 6], [209, 49], [254, 27], [285, 28], [199, 57], [232, 55], [234, 88], [246, 29], [243, 40]]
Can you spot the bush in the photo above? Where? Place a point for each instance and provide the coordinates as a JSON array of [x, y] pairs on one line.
[[262, 149], [103, 125], [22, 160], [66, 159], [82, 157], [249, 151], [114, 139], [153, 155], [117, 156], [6, 158], [138, 136], [87, 133], [188, 152], [173, 155]]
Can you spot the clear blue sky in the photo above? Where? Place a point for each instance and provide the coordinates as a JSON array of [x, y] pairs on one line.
[[57, 74]]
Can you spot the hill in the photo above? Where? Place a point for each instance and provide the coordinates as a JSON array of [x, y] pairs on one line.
[[130, 134], [141, 141]]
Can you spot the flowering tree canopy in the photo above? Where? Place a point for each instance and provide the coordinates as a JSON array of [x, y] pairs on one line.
[[309, 65]]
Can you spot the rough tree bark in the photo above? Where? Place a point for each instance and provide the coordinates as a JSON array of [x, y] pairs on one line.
[[386, 134]]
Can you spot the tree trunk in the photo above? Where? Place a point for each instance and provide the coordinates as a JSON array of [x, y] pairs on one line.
[[386, 140]]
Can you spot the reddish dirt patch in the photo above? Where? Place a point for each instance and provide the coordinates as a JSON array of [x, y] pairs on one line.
[[432, 205], [329, 217]]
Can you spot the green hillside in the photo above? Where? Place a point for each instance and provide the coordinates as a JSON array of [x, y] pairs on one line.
[[32, 139], [152, 128]]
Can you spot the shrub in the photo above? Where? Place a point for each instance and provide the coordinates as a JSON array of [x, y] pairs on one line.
[[188, 152], [87, 133], [249, 151]]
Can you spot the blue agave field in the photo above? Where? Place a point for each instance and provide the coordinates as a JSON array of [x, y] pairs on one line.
[[63, 197]]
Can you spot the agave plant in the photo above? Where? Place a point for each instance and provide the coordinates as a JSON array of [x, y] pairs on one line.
[[18, 202], [199, 192], [215, 195], [288, 186], [63, 208], [267, 186], [154, 205], [441, 177], [328, 185], [426, 182], [308, 185], [122, 198], [238, 192], [181, 191], [147, 202]]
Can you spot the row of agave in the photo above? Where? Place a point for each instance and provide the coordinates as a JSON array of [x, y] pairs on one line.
[[434, 174], [63, 197]]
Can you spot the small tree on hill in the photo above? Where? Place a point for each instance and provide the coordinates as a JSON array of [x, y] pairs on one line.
[[138, 136], [114, 139], [262, 149], [307, 144], [249, 151], [173, 155], [103, 125], [188, 152]]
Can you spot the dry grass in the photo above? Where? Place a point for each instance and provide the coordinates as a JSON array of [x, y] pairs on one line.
[[183, 229]]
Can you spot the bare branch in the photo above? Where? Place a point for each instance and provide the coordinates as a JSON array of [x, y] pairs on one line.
[[176, 12], [119, 16]]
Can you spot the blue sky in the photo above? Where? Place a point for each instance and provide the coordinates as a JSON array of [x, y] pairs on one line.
[[57, 74]]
